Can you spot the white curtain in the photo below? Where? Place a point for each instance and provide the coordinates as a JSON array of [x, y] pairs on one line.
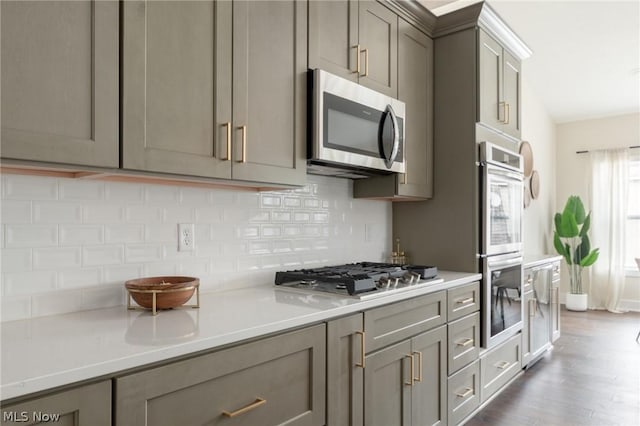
[[609, 195]]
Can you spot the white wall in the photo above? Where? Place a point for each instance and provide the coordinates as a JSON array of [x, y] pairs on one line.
[[573, 169], [540, 131], [69, 245]]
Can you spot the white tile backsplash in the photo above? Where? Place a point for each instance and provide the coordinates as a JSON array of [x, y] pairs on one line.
[[70, 244]]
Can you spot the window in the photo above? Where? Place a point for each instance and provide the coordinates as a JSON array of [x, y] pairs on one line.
[[633, 214]]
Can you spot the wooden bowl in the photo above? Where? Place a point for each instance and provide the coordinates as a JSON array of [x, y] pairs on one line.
[[170, 292]]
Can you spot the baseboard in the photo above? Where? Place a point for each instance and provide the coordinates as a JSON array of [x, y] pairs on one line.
[[630, 305]]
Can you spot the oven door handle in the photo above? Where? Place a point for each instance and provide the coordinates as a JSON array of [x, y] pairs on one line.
[[499, 264], [499, 171]]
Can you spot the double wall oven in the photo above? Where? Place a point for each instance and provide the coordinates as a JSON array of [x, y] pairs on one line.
[[501, 177]]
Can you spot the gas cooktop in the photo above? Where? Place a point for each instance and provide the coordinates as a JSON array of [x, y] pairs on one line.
[[362, 280]]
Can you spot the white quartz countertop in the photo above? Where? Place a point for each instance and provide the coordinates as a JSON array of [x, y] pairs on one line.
[[532, 260], [48, 352]]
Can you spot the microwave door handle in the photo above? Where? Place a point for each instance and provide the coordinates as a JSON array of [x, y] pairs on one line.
[[396, 136]]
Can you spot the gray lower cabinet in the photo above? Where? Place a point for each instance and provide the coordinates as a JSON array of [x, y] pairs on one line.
[[415, 89], [538, 313], [60, 81], [215, 89], [405, 384], [463, 392], [526, 328], [273, 381], [345, 371], [356, 40], [499, 366], [88, 405], [463, 300], [463, 342]]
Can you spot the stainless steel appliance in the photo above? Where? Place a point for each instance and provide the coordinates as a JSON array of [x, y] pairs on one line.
[[502, 298], [357, 132], [502, 198], [501, 243], [361, 280]]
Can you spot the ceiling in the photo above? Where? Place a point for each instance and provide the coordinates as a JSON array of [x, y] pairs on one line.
[[586, 54]]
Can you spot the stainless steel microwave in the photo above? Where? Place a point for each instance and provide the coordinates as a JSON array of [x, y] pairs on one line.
[[357, 132]]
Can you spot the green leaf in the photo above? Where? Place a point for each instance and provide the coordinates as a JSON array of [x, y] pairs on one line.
[[585, 225], [582, 250], [558, 221], [558, 244], [579, 212], [568, 225], [590, 259]]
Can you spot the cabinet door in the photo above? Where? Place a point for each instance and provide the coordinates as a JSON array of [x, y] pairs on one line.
[[278, 380], [333, 37], [60, 81], [511, 94], [555, 302], [176, 97], [378, 37], [490, 106], [415, 89], [345, 371], [429, 393], [527, 299], [89, 405], [269, 91], [387, 386]]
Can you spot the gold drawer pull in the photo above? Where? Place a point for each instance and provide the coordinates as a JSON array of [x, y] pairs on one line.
[[257, 403], [419, 355], [466, 393], [366, 62], [507, 113], [362, 351], [464, 301], [466, 342], [357, 47], [502, 365], [411, 371], [243, 159]]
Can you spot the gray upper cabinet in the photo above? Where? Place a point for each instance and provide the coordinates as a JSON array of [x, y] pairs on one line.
[[88, 405], [60, 81], [499, 87], [186, 63], [269, 91], [415, 89], [356, 40], [176, 97]]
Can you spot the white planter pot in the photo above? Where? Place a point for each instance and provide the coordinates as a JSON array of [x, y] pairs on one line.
[[577, 302]]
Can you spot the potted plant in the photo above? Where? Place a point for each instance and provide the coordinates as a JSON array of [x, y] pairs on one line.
[[570, 240]]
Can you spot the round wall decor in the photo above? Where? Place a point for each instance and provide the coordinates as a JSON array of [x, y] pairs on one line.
[[535, 184], [527, 157]]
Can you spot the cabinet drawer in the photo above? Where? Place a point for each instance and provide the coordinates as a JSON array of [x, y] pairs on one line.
[[464, 392], [268, 382], [85, 405], [463, 300], [398, 321], [464, 341], [499, 366]]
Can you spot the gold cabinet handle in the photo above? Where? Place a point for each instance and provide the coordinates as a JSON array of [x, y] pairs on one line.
[[411, 371], [357, 47], [532, 308], [507, 113], [529, 280], [466, 342], [255, 404], [466, 393], [464, 301], [502, 365], [228, 126], [361, 364], [243, 158], [419, 355], [366, 62], [502, 105]]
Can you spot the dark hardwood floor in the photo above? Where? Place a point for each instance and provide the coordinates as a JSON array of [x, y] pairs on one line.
[[591, 377]]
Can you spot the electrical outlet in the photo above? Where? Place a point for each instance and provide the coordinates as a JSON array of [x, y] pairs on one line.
[[186, 239]]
